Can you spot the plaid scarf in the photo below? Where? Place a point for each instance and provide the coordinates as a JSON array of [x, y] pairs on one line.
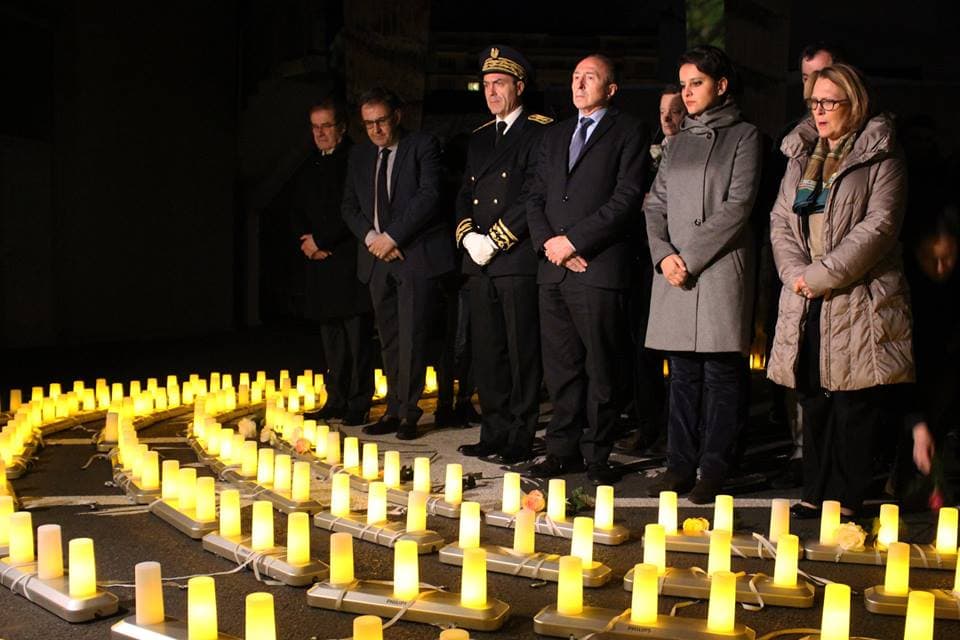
[[819, 175]]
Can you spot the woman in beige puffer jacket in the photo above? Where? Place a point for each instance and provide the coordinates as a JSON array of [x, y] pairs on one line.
[[844, 326]]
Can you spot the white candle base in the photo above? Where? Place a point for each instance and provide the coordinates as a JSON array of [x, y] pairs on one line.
[[946, 606], [549, 622], [922, 556], [686, 583], [384, 534], [169, 629], [273, 563], [538, 566], [617, 534], [54, 594], [183, 521]]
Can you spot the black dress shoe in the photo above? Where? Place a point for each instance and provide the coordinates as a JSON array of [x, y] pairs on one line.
[[479, 450], [326, 413], [466, 414], [553, 466], [407, 431], [705, 491], [803, 512], [602, 473], [671, 481], [383, 426], [356, 418], [446, 417], [514, 456]]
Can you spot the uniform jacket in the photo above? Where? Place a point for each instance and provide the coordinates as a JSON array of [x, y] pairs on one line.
[[492, 199], [699, 208], [865, 324], [414, 222], [594, 203], [331, 286]]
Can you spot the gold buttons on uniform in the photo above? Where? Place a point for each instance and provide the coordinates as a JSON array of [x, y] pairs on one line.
[[473, 178], [476, 201], [503, 175], [495, 201]]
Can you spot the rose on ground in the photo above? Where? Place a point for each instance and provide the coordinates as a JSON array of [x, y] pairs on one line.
[[851, 536], [302, 446], [695, 526], [534, 501], [247, 428]]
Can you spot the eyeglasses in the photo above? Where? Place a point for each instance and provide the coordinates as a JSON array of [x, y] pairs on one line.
[[379, 122], [827, 104]]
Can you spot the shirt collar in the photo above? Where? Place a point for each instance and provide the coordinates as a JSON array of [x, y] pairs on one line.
[[596, 116], [510, 118]]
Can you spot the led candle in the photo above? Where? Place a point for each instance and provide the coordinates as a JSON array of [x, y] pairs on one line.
[[920, 610], [371, 463], [298, 538], [956, 574], [511, 492], [473, 583], [655, 547], [779, 518], [265, 467], [230, 513], [453, 634], [367, 628], [333, 448], [376, 502], [300, 488], [21, 538], [150, 471], [169, 489], [469, 525], [889, 525], [723, 513], [110, 431], [453, 485], [785, 569], [226, 447], [321, 440], [351, 454], [570, 586], [719, 558], [201, 609], [421, 475], [206, 499], [340, 495], [248, 459], [187, 489], [380, 384], [83, 568], [667, 514], [557, 499], [137, 464], [829, 521], [643, 603], [836, 612], [721, 612], [262, 538], [49, 552], [391, 469], [430, 380], [149, 593], [581, 545], [416, 511], [406, 570], [6, 510], [281, 473], [524, 532], [897, 578], [16, 399], [603, 511], [947, 531], [341, 558]]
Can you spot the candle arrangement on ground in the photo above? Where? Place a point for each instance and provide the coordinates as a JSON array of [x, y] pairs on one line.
[[192, 508], [405, 595], [892, 597], [554, 521]]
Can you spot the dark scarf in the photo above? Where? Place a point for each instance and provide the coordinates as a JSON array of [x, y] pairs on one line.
[[819, 175]]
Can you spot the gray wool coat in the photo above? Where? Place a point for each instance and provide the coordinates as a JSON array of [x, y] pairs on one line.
[[699, 208]]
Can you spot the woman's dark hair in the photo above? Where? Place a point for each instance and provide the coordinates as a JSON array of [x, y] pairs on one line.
[[714, 62]]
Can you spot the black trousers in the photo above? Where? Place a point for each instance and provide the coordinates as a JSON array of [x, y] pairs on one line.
[[403, 306], [349, 356], [582, 336], [456, 357], [648, 390], [505, 331], [705, 405]]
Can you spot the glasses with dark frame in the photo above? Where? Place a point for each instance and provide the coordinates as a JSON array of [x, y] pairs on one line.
[[828, 104], [379, 122]]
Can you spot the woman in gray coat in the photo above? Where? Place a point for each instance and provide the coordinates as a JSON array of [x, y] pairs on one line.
[[700, 241]]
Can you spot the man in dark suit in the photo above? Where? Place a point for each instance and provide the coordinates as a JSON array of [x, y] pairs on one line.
[[492, 230], [588, 188], [390, 204], [334, 298]]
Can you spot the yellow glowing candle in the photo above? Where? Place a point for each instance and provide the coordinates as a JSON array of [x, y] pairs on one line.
[[169, 480], [149, 593], [450, 634], [719, 559], [201, 609], [836, 612], [785, 569], [524, 532], [298, 538], [897, 578], [920, 610], [341, 558], [723, 513], [643, 603], [655, 547], [947, 531], [230, 513], [406, 570], [956, 574], [333, 448], [557, 499], [262, 538], [265, 467], [371, 463], [206, 499], [49, 552], [721, 613], [376, 502], [779, 518], [570, 586], [421, 475], [469, 525], [581, 545], [248, 459], [367, 628], [391, 469], [430, 380], [453, 485], [351, 454], [20, 547], [473, 583], [300, 489], [6, 510], [667, 513], [829, 521], [150, 471], [110, 431], [603, 511], [340, 495], [83, 568], [417, 511], [889, 525], [187, 489], [260, 621], [281, 473], [321, 440], [511, 492]]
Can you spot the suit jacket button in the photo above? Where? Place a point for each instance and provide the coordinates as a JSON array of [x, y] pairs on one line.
[[476, 201], [503, 175], [495, 201], [565, 197], [473, 178], [696, 222]]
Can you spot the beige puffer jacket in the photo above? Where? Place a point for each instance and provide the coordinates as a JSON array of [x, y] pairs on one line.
[[865, 324]]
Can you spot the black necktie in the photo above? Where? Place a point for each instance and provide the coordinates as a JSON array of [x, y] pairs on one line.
[[383, 196], [501, 127]]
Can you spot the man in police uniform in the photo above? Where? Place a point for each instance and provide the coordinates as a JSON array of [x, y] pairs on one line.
[[501, 265]]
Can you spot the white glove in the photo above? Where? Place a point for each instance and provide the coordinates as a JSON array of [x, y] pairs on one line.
[[480, 247]]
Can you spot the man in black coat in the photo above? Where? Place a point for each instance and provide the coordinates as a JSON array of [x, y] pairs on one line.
[[390, 204], [588, 188], [492, 230], [334, 298]]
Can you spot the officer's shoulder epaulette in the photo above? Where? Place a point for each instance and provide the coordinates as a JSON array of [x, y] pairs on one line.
[[485, 124], [539, 119]]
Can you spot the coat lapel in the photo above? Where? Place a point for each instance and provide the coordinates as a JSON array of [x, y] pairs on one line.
[[602, 127], [402, 148], [513, 134]]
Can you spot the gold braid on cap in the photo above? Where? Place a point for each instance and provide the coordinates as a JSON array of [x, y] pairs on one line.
[[504, 65]]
